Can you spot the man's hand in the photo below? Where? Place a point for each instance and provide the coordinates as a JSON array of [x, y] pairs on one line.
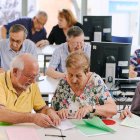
[[83, 111], [42, 43], [63, 113], [125, 113], [42, 120], [54, 117]]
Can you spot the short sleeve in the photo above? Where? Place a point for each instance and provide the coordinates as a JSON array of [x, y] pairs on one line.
[[38, 102]]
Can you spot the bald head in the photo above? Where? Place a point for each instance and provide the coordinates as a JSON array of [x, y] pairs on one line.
[[24, 61]]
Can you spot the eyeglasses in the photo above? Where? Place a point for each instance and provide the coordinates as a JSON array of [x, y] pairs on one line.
[[42, 24], [75, 44], [16, 41], [31, 76]]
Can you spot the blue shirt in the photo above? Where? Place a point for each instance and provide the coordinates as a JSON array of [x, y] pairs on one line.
[[7, 54], [28, 24], [135, 61], [58, 60]]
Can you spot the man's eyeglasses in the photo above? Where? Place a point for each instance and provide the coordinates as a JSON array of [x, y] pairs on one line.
[[17, 41], [31, 77], [39, 22], [75, 44]]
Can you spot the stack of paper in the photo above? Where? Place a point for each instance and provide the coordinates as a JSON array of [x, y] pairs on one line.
[[134, 121], [93, 126]]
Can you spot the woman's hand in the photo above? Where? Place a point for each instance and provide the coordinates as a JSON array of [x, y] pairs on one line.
[[63, 113], [125, 113], [83, 111]]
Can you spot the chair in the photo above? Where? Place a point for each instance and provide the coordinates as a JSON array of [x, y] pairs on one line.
[[122, 39]]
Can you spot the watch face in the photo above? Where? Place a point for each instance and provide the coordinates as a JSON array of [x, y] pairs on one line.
[[93, 110]]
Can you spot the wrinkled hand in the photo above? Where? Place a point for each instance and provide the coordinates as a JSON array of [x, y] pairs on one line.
[[125, 113], [63, 113], [83, 111], [42, 120], [42, 43], [54, 117]]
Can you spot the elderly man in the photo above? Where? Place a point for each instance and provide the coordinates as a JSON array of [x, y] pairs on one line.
[[75, 41], [16, 44], [20, 93], [35, 28]]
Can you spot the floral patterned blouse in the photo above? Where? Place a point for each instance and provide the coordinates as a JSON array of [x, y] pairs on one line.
[[94, 93]]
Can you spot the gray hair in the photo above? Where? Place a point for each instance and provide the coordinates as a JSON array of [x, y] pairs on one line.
[[74, 31], [19, 62], [42, 13], [17, 28]]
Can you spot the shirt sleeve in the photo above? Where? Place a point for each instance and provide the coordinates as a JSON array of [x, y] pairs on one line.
[[2, 95], [101, 90], [56, 59], [38, 102], [18, 21]]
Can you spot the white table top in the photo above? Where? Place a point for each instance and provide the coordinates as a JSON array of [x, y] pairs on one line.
[[122, 133], [48, 85], [47, 50]]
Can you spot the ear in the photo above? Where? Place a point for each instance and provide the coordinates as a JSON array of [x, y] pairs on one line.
[[15, 71], [87, 71]]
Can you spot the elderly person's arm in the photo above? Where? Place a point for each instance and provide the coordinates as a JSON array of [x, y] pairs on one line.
[[55, 74], [3, 32], [15, 117], [107, 110]]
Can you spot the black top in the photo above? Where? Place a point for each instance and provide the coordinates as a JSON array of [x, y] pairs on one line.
[[57, 35]]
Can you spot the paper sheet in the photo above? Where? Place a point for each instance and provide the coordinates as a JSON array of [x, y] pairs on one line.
[[134, 121], [22, 133], [65, 124], [94, 126]]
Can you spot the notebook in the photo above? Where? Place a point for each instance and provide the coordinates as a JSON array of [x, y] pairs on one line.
[[133, 121], [94, 126]]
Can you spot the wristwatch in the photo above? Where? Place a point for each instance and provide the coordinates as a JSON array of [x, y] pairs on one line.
[[93, 109]]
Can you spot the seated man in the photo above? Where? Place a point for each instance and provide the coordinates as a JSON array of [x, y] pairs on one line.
[[135, 64], [75, 41], [82, 92], [35, 28], [16, 44], [135, 106], [19, 94]]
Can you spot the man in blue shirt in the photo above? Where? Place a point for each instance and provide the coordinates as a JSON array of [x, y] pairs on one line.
[[34, 26], [15, 45], [75, 41]]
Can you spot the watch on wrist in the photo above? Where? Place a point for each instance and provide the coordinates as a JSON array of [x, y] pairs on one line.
[[93, 109]]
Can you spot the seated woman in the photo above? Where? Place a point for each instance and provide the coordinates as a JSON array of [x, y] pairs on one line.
[[82, 92], [66, 20]]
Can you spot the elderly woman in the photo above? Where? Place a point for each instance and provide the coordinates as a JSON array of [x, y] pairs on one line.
[[82, 92], [66, 20]]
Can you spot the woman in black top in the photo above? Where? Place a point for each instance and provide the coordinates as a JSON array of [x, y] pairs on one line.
[[66, 20]]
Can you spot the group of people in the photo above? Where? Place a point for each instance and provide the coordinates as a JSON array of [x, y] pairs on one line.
[[80, 93]]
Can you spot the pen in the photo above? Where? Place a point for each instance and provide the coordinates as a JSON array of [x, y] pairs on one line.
[[55, 135]]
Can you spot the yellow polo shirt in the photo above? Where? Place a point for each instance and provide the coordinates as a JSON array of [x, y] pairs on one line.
[[28, 100]]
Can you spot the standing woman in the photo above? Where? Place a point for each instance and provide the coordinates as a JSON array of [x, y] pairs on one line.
[[66, 20]]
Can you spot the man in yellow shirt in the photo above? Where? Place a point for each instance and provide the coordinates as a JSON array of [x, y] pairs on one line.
[[19, 94]]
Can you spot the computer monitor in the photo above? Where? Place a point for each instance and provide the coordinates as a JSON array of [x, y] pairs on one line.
[[110, 52], [97, 28]]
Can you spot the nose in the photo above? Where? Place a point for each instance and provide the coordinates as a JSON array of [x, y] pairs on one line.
[[74, 80]]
